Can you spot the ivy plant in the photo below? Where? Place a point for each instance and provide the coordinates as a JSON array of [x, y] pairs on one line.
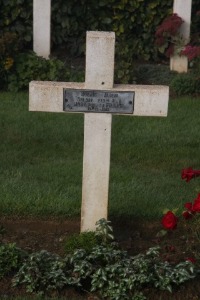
[[105, 270], [11, 258]]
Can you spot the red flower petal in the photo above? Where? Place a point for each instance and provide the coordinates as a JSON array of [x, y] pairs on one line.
[[187, 215], [191, 259], [188, 205], [187, 174], [169, 221]]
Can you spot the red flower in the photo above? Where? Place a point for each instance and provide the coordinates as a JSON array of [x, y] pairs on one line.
[[191, 51], [191, 259], [189, 173], [187, 214], [196, 205], [170, 25], [188, 205], [169, 221], [168, 29]]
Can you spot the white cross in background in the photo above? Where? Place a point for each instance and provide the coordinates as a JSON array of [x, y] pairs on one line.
[[42, 27], [182, 9]]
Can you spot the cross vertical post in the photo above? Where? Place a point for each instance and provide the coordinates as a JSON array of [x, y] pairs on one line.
[[180, 63], [97, 131], [42, 27]]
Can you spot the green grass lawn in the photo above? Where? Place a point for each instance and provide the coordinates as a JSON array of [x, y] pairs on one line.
[[41, 160]]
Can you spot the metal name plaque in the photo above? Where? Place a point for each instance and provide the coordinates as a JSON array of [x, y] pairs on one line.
[[98, 101]]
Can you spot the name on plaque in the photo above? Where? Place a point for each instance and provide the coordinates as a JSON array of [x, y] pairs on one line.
[[98, 101]]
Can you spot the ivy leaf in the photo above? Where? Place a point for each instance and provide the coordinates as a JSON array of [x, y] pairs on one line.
[[102, 3]]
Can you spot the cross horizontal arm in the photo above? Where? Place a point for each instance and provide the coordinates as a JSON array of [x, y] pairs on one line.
[[150, 100]]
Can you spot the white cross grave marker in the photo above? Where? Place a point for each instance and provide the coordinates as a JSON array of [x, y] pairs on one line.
[[98, 98], [180, 63], [42, 27]]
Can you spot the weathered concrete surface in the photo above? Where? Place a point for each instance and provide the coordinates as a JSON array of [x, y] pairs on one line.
[[42, 27], [179, 63], [100, 51], [150, 100], [183, 10], [96, 168]]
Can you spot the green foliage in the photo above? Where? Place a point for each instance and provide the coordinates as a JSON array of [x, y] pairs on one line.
[[153, 74], [84, 240], [90, 239], [116, 275], [104, 231], [28, 66], [41, 272], [185, 84], [134, 22], [9, 46], [106, 270], [16, 16], [195, 24], [195, 66], [124, 62], [180, 84], [122, 276], [10, 258]]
